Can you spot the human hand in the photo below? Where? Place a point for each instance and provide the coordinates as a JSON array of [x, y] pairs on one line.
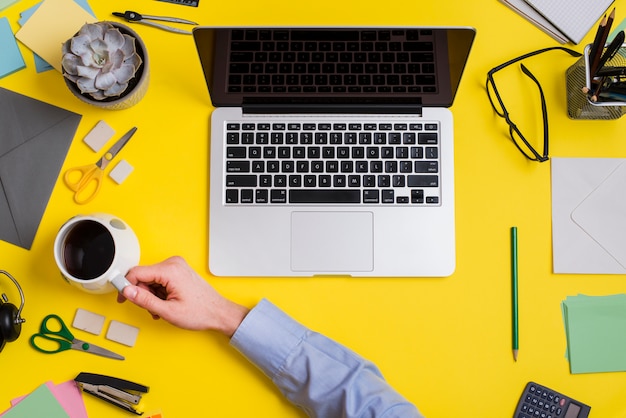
[[172, 290]]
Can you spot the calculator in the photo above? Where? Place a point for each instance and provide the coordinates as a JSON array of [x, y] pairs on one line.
[[541, 402]]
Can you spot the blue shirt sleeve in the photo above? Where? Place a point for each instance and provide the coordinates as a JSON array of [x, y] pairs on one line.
[[319, 375]]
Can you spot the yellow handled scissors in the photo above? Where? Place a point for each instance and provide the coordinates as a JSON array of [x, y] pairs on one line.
[[85, 180]]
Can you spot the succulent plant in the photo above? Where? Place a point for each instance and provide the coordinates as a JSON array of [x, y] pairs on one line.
[[100, 60]]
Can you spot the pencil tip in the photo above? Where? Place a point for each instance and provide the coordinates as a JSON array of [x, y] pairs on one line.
[[515, 355]]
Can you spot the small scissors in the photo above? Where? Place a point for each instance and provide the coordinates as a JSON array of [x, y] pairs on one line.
[[90, 176], [134, 17], [65, 340]]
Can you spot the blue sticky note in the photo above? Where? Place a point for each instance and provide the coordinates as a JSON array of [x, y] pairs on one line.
[[12, 59]]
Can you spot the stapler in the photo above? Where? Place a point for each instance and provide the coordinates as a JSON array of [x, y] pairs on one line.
[[121, 393]]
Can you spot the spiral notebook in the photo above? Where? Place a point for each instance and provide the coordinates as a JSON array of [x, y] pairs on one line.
[[525, 10], [564, 20], [574, 18]]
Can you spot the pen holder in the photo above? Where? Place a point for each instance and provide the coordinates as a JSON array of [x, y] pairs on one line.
[[579, 103]]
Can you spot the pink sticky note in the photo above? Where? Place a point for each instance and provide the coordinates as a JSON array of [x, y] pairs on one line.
[[69, 397]]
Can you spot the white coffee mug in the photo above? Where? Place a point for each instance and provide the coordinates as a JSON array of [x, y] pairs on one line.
[[95, 252]]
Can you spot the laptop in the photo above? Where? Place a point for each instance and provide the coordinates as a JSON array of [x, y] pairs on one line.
[[332, 149]]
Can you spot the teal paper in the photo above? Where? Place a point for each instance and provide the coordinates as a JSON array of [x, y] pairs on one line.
[[12, 59], [595, 328], [40, 403]]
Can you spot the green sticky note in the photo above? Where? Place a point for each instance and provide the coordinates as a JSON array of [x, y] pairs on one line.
[[596, 333], [6, 3], [40, 403]]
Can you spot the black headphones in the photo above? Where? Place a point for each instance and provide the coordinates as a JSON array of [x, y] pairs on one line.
[[10, 319]]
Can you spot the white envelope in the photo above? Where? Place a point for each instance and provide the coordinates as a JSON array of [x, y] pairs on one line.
[[589, 215]]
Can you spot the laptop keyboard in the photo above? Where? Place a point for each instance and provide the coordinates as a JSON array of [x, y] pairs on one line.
[[342, 61], [332, 162]]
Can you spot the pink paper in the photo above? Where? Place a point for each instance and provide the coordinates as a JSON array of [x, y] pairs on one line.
[[69, 397]]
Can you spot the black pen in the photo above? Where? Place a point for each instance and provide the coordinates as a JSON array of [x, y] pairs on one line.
[[616, 87], [611, 50], [611, 71]]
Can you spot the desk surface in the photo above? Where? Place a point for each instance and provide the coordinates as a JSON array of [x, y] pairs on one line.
[[443, 343]]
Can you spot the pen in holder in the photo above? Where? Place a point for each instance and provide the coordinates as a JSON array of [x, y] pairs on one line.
[[597, 97]]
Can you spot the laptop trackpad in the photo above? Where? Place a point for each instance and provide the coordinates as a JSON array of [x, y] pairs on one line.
[[332, 241]]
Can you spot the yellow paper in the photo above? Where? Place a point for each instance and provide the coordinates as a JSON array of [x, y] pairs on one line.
[[54, 22]]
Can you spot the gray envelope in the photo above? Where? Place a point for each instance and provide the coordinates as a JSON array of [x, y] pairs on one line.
[[34, 140]]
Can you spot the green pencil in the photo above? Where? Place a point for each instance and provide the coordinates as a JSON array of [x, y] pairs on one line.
[[514, 291]]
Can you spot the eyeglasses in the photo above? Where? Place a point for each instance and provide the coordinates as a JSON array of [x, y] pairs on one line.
[[516, 135]]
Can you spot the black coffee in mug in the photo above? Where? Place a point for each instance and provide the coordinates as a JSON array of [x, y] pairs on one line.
[[88, 250]]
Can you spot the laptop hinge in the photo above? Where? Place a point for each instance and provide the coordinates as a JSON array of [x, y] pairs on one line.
[[332, 108]]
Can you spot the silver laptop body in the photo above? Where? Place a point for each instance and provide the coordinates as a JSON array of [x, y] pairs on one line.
[[335, 166]]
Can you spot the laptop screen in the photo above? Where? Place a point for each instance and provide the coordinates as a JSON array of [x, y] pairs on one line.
[[404, 66]]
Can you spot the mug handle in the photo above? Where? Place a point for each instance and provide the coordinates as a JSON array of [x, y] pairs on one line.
[[120, 282]]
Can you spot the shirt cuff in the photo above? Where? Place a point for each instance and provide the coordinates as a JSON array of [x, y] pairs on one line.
[[267, 336]]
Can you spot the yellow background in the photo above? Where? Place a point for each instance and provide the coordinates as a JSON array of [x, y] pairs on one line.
[[443, 343]]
